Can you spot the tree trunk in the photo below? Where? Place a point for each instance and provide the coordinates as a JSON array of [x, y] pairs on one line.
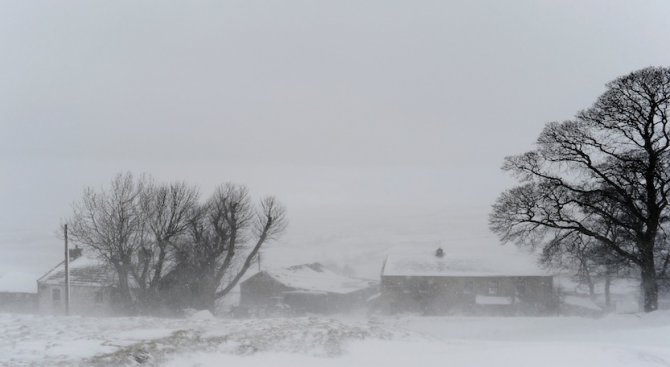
[[592, 288], [158, 268], [205, 299], [204, 293], [208, 302], [649, 284], [125, 296], [608, 283], [586, 276]]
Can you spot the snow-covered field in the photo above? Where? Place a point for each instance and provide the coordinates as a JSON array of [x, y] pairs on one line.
[[617, 340]]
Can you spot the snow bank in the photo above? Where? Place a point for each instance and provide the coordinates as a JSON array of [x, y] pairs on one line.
[[430, 353], [616, 340]]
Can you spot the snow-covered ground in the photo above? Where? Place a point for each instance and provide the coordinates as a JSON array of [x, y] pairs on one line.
[[617, 340]]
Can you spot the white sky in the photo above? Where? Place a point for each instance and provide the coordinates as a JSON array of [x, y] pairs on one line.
[[378, 123]]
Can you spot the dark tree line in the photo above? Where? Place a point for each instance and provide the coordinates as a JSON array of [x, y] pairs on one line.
[[167, 247], [597, 186]]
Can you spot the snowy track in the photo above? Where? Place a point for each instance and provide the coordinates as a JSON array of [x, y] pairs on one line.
[[623, 340], [64, 341]]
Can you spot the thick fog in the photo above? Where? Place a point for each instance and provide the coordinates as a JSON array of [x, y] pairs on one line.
[[378, 124]]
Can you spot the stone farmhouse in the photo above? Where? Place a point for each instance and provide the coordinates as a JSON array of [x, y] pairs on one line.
[[436, 284]]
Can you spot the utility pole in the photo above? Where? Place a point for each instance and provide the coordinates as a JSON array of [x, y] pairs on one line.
[[67, 275]]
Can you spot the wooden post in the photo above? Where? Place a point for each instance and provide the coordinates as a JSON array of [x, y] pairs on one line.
[[67, 275]]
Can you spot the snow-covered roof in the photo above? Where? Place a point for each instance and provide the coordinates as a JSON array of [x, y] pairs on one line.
[[427, 264], [84, 270], [315, 278]]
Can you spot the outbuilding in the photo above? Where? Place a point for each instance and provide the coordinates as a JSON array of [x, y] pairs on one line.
[[307, 288]]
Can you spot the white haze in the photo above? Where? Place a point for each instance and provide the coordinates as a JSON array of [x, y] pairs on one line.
[[380, 124]]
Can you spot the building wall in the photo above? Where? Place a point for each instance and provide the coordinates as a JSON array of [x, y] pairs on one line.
[[84, 300], [264, 293], [443, 295], [328, 302], [261, 291]]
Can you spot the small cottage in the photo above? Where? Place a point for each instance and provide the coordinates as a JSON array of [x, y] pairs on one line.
[[308, 288], [92, 287], [436, 283]]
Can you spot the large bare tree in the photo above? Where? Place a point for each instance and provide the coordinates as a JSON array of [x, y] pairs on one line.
[[111, 223], [159, 237], [226, 235], [603, 175], [167, 213]]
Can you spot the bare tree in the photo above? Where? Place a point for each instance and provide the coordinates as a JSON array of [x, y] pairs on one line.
[[663, 256], [111, 223], [603, 175], [167, 212], [226, 235], [269, 223], [159, 237], [572, 253], [588, 259]]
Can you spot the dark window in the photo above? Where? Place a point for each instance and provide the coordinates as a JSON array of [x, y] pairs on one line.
[[55, 295], [493, 287]]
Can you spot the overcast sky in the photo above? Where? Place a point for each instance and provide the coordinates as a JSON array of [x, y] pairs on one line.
[[376, 122]]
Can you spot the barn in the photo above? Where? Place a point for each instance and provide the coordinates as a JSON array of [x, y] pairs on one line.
[[433, 283], [307, 288], [92, 287]]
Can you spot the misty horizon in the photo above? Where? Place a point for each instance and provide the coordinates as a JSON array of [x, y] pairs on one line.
[[377, 126]]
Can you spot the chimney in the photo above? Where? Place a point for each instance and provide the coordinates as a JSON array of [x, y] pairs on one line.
[[439, 252], [75, 253]]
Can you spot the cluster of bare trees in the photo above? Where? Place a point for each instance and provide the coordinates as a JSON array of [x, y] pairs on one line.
[[595, 190], [169, 248], [588, 259]]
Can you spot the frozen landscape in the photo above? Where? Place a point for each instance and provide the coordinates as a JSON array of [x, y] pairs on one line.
[[319, 183], [615, 340]]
